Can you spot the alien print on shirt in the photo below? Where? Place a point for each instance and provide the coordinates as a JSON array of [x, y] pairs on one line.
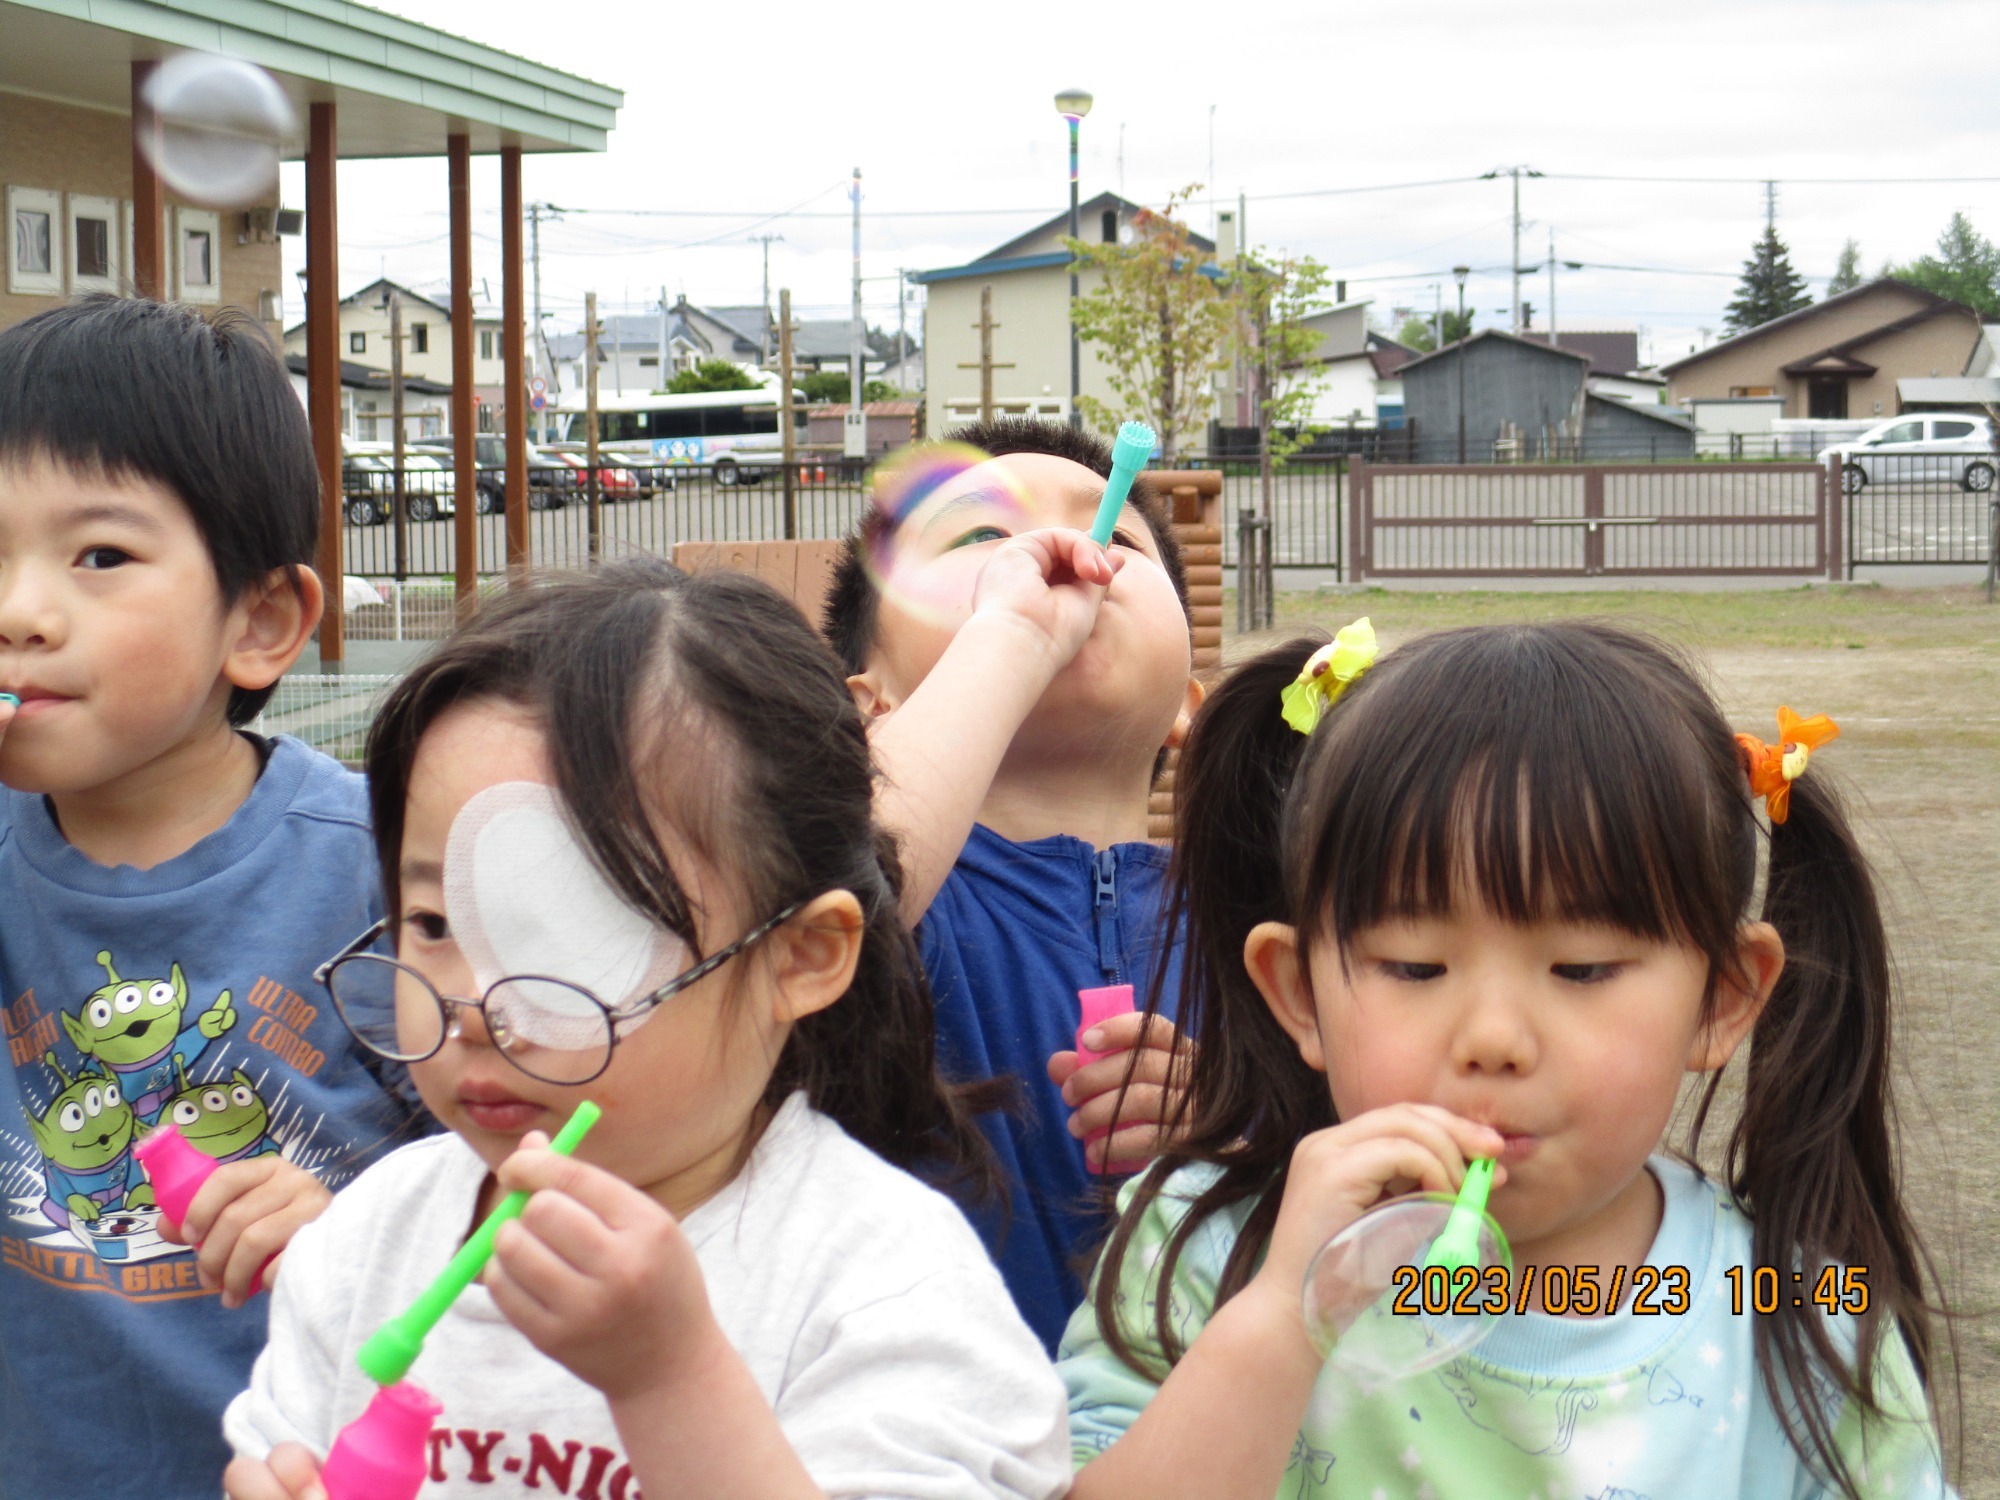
[[148, 1058]]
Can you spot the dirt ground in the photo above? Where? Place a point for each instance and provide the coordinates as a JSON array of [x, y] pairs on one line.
[[1913, 678]]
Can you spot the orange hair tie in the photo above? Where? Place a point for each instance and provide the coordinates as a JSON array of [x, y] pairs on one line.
[[1773, 768]]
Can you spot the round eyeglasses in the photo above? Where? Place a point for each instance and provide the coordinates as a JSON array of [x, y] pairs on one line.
[[548, 1028]]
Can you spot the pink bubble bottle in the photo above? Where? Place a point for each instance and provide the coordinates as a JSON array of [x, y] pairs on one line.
[[384, 1453]]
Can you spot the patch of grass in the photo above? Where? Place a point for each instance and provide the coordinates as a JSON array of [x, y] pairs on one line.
[[1818, 617]]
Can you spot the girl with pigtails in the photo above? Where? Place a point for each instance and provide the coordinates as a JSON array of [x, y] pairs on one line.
[[1499, 899]]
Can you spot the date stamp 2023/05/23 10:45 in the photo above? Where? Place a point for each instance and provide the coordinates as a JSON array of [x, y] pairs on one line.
[[1584, 1291]]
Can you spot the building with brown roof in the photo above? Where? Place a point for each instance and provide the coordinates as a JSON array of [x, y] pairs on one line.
[[1840, 358]]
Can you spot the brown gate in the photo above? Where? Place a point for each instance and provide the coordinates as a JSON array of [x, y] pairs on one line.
[[1593, 520]]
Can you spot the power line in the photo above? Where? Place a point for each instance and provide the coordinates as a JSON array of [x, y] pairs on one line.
[[1761, 181]]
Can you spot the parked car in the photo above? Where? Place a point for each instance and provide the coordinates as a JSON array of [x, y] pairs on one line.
[[551, 482], [368, 486], [1944, 445], [615, 480]]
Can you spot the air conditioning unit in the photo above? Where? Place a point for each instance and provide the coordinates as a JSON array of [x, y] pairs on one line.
[[263, 225]]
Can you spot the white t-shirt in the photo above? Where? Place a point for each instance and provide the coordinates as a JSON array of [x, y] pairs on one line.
[[862, 1302]]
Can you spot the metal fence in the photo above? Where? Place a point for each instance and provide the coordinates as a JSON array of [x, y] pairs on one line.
[[1899, 508], [329, 712]]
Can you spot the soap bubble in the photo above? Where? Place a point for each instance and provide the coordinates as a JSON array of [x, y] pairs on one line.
[[928, 500], [217, 126], [1353, 1292]]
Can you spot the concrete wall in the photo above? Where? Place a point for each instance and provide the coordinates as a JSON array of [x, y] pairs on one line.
[[67, 149], [1942, 344], [1504, 382]]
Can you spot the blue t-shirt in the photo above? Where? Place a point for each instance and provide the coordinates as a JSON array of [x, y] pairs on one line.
[[1015, 932], [130, 996]]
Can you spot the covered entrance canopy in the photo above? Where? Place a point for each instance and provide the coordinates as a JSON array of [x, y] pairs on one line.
[[364, 84]]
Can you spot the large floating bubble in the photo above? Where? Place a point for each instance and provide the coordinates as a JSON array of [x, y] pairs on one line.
[[1378, 1314], [928, 501], [217, 126]]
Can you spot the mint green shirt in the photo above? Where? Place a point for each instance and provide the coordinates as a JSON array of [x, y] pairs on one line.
[[1629, 1407]]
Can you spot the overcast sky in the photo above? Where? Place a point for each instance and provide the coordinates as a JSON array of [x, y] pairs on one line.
[[751, 110]]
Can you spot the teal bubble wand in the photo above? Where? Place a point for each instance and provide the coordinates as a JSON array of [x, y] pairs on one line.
[[387, 1356], [1128, 457]]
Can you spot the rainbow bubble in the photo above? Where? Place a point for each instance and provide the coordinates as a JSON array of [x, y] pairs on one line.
[[218, 125], [933, 507]]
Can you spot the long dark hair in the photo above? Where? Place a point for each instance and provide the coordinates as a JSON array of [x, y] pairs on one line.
[[707, 701], [1577, 771]]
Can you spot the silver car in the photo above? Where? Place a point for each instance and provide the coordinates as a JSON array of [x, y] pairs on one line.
[[1914, 449]]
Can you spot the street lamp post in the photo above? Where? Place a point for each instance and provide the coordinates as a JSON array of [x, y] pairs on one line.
[[1073, 105], [1459, 273]]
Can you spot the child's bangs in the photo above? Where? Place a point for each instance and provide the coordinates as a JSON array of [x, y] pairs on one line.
[[1520, 775]]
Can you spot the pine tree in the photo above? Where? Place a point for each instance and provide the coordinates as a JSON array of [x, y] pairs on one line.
[[1770, 287], [1846, 271], [1966, 268]]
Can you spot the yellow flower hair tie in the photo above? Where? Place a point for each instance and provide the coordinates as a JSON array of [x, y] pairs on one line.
[[1329, 672], [1773, 768]]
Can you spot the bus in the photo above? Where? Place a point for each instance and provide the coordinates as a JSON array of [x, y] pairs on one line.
[[734, 432]]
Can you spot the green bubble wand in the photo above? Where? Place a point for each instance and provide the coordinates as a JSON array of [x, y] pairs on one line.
[[387, 1356], [1128, 457]]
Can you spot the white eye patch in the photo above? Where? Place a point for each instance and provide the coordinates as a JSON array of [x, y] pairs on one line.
[[523, 897]]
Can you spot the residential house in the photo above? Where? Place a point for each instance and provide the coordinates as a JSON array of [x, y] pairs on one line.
[[364, 341], [1614, 363], [1525, 400], [1029, 277], [628, 352], [1355, 370], [1837, 359], [367, 405]]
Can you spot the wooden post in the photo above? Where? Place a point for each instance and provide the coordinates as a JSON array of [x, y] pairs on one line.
[[322, 369], [514, 356], [788, 414], [594, 499], [1833, 513], [465, 527], [986, 365], [1358, 502], [149, 261], [402, 499]]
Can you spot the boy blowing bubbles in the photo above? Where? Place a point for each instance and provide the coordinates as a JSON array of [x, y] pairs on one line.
[[1024, 685], [158, 506]]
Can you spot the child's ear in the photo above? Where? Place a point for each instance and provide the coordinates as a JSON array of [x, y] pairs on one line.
[[814, 955], [270, 625], [1740, 993], [1271, 955], [871, 695], [1191, 701]]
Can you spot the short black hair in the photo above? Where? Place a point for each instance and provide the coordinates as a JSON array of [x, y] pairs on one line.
[[199, 403], [849, 616]]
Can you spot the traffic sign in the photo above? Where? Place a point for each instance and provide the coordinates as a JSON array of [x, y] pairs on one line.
[[537, 401], [539, 386]]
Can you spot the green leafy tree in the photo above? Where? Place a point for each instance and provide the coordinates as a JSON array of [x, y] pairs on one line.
[[831, 385], [1420, 333], [1846, 270], [1274, 295], [1770, 288], [1164, 321], [1966, 268], [711, 375]]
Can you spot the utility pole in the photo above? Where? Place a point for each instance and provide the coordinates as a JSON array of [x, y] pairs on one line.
[[1517, 173], [1213, 222], [902, 323], [1770, 206], [986, 365], [787, 413], [591, 487], [396, 439], [543, 362], [1552, 286], [854, 431], [764, 343], [661, 358]]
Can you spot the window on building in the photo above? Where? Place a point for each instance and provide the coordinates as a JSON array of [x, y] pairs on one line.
[[485, 343], [649, 361], [196, 247], [34, 232], [420, 338], [93, 247], [1110, 226], [357, 343], [1738, 392]]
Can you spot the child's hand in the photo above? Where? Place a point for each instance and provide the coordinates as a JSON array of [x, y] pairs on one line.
[[1091, 1091], [242, 1219], [1053, 580], [597, 1275], [290, 1473], [1337, 1174]]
